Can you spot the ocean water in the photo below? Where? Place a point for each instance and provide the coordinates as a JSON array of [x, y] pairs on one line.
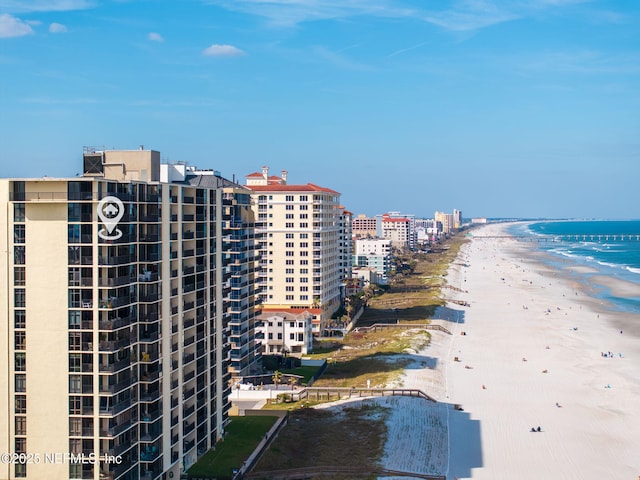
[[610, 248]]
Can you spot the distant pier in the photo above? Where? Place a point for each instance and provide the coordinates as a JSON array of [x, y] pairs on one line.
[[595, 238]]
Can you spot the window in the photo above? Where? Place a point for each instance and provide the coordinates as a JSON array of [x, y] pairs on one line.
[[289, 216], [288, 198], [21, 425], [75, 405], [289, 279], [74, 341], [21, 404], [304, 271], [19, 233], [20, 362], [19, 319], [289, 245], [75, 427], [289, 207], [304, 298], [19, 276], [75, 470], [301, 337], [304, 244], [21, 445], [304, 262], [304, 225], [288, 298], [19, 256], [75, 362], [304, 253], [20, 340], [20, 382], [303, 198], [289, 271], [304, 288], [292, 336], [289, 225], [289, 253], [288, 235], [75, 446], [288, 288], [19, 298], [270, 336], [18, 212], [74, 320], [303, 216], [75, 384], [304, 235]]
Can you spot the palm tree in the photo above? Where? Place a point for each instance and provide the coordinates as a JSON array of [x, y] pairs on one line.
[[277, 378]]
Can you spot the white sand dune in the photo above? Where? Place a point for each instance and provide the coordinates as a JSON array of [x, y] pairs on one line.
[[530, 356]]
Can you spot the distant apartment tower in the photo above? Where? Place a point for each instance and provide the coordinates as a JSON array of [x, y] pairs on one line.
[[374, 253], [448, 222], [122, 299], [457, 219], [300, 230], [364, 226], [396, 229], [400, 228]]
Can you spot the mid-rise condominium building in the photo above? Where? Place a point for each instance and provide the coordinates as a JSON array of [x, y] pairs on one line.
[[300, 230], [129, 304], [364, 226]]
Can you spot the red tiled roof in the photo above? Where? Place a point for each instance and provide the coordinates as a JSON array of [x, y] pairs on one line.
[[309, 187], [254, 175]]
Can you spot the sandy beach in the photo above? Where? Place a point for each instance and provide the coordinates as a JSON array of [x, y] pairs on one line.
[[533, 350]]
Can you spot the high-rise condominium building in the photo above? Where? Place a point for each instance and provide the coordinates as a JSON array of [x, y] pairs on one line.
[[129, 305], [302, 250]]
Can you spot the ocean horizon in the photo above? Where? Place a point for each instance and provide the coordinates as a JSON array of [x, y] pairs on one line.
[[608, 248]]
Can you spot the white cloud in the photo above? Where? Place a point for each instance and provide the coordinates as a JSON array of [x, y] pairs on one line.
[[222, 51], [44, 5], [155, 37], [455, 15], [13, 27], [57, 28]]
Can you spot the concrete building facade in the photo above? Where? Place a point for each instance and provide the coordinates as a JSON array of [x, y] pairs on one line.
[[285, 333], [301, 243], [124, 296]]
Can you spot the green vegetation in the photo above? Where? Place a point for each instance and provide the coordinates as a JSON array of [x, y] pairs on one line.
[[318, 437], [242, 436], [354, 435]]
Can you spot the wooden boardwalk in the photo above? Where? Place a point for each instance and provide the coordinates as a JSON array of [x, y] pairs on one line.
[[345, 471], [339, 393]]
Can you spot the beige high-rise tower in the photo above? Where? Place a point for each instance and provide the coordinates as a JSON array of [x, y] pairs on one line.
[[117, 301], [304, 255]]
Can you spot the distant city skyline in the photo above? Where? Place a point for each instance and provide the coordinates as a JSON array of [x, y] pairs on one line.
[[497, 108]]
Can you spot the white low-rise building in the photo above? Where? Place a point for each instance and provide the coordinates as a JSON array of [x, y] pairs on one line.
[[285, 333]]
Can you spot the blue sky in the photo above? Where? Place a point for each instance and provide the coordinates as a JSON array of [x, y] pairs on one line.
[[499, 108]]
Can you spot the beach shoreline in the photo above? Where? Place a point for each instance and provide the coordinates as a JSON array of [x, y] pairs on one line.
[[532, 347], [533, 355]]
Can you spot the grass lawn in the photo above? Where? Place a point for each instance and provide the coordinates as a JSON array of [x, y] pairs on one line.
[[242, 436]]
